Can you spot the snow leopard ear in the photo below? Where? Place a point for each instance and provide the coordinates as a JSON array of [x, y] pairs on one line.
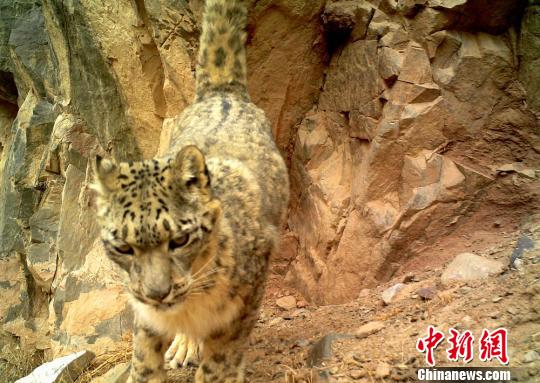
[[106, 175], [190, 168]]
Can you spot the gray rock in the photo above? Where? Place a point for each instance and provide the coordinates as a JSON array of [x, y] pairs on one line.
[[322, 349], [529, 52], [90, 71], [33, 57], [427, 293], [531, 356], [65, 369], [12, 12], [524, 243]]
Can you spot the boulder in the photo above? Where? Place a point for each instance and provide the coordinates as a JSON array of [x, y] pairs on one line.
[[348, 17], [469, 266]]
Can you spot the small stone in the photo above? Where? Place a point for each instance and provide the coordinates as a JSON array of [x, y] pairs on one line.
[[496, 299], [276, 321], [427, 293], [467, 321], [300, 313], [357, 374], [531, 356], [302, 343], [409, 278], [364, 293], [465, 289], [383, 370], [389, 294], [287, 303], [301, 304], [512, 310], [369, 329], [518, 264]]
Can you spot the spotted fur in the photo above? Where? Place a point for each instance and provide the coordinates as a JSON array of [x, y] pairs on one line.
[[194, 229]]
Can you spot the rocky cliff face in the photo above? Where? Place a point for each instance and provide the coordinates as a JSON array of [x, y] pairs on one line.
[[404, 123]]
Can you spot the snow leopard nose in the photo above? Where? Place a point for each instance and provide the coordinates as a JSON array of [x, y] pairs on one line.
[[158, 294]]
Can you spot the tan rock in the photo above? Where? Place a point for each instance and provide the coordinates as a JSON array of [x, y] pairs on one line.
[[383, 370], [390, 62], [368, 329], [352, 80], [446, 3], [457, 54], [416, 68], [322, 161], [383, 212], [380, 25], [349, 266], [389, 294], [287, 302], [429, 21], [139, 79], [403, 93], [395, 38], [285, 37], [469, 266], [348, 16]]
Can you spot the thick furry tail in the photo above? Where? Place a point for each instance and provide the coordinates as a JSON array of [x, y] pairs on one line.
[[221, 63]]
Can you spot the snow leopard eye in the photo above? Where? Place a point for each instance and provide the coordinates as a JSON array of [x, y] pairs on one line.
[[124, 249], [179, 242]]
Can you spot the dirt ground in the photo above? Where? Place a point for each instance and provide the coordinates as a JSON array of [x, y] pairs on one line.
[[287, 341]]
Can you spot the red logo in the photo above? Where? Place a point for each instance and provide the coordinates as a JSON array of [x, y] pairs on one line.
[[461, 346], [430, 343], [494, 345]]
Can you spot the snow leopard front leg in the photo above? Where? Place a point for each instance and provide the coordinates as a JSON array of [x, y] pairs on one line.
[[147, 359]]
